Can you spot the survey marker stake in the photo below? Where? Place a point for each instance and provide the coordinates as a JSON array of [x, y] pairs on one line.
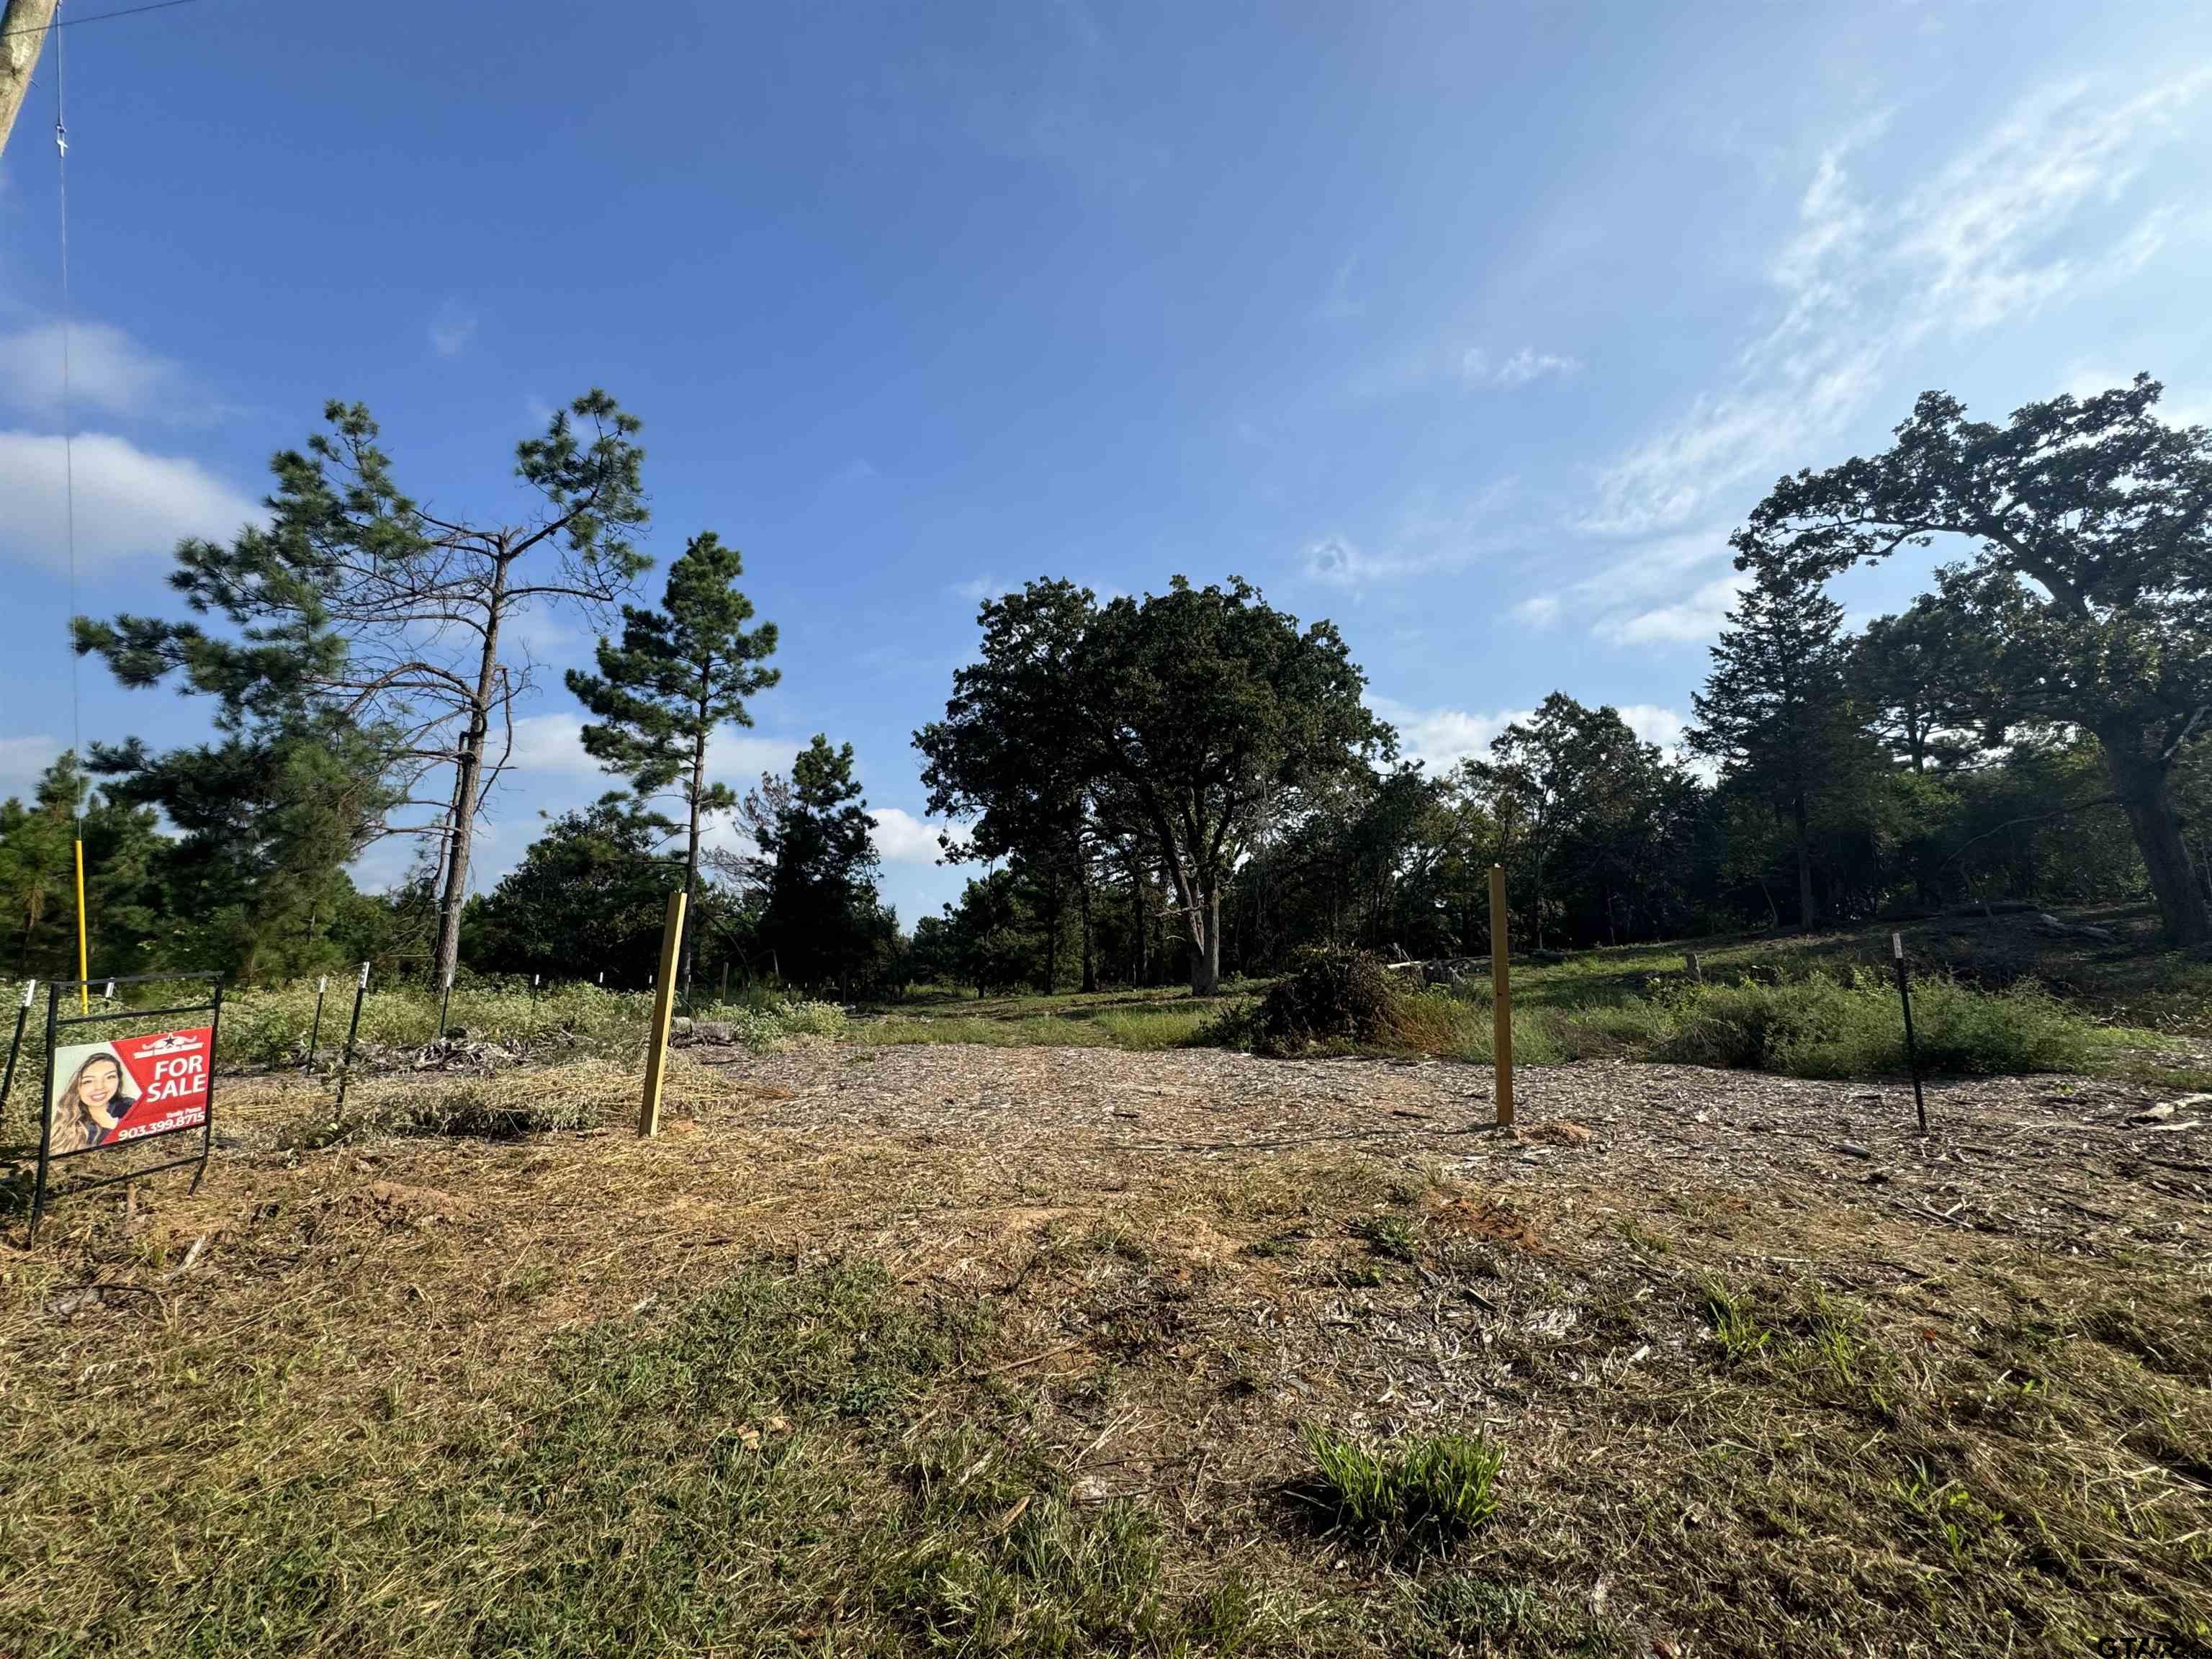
[[1501, 997]]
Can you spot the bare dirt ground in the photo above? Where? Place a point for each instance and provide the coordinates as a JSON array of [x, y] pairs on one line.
[[1773, 1373]]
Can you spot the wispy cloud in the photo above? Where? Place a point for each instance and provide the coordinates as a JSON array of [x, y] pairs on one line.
[[1670, 589], [109, 373], [1862, 282], [1429, 538], [1518, 370], [1686, 621], [1342, 305], [453, 329], [1537, 611]]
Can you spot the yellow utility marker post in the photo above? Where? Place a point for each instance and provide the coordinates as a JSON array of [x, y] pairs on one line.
[[663, 1005], [83, 973], [1501, 998]]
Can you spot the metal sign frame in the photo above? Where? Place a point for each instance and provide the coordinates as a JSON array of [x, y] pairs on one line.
[[55, 1021]]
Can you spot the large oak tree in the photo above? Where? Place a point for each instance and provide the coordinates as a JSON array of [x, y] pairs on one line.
[[2090, 583], [1191, 711]]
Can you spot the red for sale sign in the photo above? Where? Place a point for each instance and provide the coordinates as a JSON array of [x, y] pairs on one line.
[[129, 1088]]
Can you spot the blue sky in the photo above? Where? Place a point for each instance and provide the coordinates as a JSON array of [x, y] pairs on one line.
[[1474, 328]]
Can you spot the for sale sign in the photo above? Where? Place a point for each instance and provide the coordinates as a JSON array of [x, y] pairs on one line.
[[105, 1093]]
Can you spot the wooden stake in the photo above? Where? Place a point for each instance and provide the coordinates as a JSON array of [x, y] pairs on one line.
[[664, 1001], [1501, 997]]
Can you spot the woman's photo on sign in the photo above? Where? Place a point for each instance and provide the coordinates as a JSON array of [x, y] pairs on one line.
[[93, 1093]]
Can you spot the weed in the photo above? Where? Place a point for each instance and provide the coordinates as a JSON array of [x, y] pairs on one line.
[[1389, 1236], [1423, 1490], [1734, 1326]]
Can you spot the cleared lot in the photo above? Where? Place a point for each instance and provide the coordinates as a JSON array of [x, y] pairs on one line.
[[1011, 1350]]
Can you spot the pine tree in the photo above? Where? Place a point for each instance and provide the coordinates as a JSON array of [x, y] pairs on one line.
[[822, 919], [37, 857], [1774, 711], [679, 673]]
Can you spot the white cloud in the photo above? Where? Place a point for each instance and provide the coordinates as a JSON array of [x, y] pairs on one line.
[[549, 743], [1442, 737], [1670, 589], [552, 745], [1663, 726], [902, 838], [108, 372], [129, 503], [1687, 621], [1863, 282], [979, 588], [22, 760], [453, 329], [1524, 366]]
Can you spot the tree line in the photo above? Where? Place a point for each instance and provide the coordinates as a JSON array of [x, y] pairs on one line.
[[1188, 785], [1195, 767]]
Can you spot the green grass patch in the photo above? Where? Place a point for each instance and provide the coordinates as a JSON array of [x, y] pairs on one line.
[[716, 1482], [1818, 1026], [1426, 1490]]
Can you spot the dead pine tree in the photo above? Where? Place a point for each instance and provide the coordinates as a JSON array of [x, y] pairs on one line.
[[425, 604]]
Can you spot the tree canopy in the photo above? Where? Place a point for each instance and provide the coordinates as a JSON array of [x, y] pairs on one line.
[[2089, 585]]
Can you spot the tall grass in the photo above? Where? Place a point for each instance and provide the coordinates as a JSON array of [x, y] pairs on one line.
[[270, 1025], [1815, 1027]]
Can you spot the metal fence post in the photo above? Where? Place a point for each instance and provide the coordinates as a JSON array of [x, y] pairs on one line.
[[353, 1026], [15, 1046], [315, 1031], [1911, 1042]]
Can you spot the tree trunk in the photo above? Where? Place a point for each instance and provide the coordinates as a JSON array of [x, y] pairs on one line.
[[2140, 781], [22, 31], [1142, 921], [1536, 901], [1082, 901], [1052, 908], [468, 772], [1205, 943], [1807, 912]]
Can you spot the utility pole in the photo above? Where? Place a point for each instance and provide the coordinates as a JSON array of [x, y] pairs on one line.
[[23, 24]]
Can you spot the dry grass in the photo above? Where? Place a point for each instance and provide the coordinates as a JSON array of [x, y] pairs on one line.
[[996, 1351]]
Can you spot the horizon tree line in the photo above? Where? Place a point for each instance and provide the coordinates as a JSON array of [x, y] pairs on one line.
[[1185, 784]]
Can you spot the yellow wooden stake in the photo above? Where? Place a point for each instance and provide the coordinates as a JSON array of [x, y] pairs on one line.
[[83, 973], [1501, 997], [663, 1005]]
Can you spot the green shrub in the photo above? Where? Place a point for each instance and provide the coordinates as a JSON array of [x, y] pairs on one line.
[[1822, 1027], [1425, 1490]]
